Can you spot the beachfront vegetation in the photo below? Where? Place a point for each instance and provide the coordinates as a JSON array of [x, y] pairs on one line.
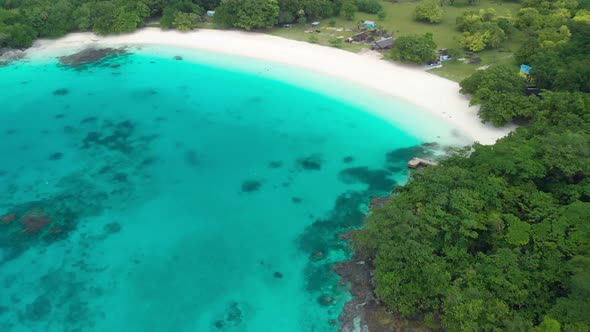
[[248, 14], [414, 48], [497, 238]]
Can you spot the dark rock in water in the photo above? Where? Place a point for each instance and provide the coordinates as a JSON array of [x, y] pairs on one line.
[[296, 200], [332, 322], [233, 314], [61, 92], [191, 158], [404, 154], [430, 145], [219, 324], [112, 228], [120, 177], [3, 309], [90, 119], [348, 159], [277, 275], [59, 116], [115, 65], [326, 300], [56, 156], [275, 164], [251, 186], [178, 57], [89, 55], [312, 163], [148, 161], [68, 129], [10, 132], [318, 255], [39, 309]]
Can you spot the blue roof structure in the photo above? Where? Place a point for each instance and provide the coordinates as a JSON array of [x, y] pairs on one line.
[[525, 69]]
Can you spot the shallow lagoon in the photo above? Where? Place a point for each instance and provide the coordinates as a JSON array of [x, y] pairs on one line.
[[143, 193]]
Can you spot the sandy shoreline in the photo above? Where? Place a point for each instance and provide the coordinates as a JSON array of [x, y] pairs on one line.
[[436, 95]]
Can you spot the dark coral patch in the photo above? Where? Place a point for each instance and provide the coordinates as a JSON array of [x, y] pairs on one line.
[[56, 156], [120, 177], [90, 119], [311, 163], [296, 200], [61, 92], [275, 164], [112, 228], [377, 180], [348, 159], [251, 186]]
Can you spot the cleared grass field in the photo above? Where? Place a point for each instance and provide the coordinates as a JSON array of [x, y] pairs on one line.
[[399, 21]]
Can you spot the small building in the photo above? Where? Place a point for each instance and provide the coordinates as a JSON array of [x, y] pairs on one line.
[[525, 70], [383, 44], [210, 13], [315, 24], [369, 24]]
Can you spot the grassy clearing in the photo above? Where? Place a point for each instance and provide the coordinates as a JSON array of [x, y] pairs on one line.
[[399, 21]]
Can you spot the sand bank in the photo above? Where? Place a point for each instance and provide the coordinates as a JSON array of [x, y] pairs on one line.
[[438, 96]]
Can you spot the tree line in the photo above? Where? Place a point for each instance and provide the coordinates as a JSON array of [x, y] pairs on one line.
[[497, 238]]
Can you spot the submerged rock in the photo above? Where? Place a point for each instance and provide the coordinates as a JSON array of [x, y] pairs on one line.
[[348, 159], [251, 186], [38, 309], [56, 156], [326, 300], [277, 275], [61, 92], [90, 55], [275, 164], [311, 163]]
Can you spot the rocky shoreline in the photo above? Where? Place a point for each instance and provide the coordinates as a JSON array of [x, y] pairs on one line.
[[8, 55], [365, 312]]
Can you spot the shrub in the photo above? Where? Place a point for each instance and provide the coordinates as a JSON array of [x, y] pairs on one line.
[[369, 6], [415, 48], [428, 11], [336, 42]]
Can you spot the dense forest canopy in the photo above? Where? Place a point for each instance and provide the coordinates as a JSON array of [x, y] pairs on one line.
[[498, 237], [22, 21]]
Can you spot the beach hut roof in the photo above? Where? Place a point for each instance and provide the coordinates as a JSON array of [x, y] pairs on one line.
[[385, 42], [316, 23], [369, 22], [525, 69]]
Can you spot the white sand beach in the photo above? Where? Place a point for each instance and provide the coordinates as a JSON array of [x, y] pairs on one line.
[[438, 96]]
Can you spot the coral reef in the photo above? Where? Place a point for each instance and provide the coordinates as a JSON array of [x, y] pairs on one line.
[[34, 221], [7, 218], [91, 56], [310, 163], [249, 186]]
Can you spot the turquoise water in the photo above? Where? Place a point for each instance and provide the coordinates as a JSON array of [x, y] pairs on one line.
[[164, 195]]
